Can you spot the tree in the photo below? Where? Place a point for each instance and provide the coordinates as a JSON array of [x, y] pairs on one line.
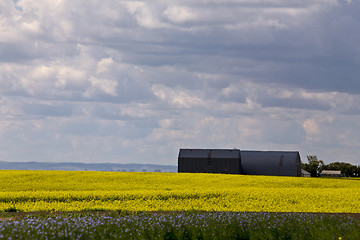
[[314, 166], [347, 169]]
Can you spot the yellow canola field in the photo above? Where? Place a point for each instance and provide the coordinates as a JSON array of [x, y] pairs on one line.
[[83, 190]]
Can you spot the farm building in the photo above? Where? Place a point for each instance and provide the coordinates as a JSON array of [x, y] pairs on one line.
[[275, 163], [210, 161], [305, 173], [330, 173]]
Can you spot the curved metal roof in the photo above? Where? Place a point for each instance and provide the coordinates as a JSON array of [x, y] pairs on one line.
[[212, 153]]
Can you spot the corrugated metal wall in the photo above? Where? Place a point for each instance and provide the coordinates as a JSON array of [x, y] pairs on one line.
[[210, 161]]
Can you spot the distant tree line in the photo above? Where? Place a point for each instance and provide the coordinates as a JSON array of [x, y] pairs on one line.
[[315, 166]]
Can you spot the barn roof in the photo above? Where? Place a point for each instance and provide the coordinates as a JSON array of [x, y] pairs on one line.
[[331, 172], [212, 153], [270, 153]]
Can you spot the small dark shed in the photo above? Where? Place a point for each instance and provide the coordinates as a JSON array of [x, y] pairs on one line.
[[275, 163], [210, 161]]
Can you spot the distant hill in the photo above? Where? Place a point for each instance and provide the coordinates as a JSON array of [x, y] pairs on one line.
[[88, 166]]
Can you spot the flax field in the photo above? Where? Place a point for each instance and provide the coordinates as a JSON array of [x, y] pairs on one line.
[[182, 225], [59, 191]]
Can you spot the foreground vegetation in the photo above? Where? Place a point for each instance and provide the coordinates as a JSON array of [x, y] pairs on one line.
[[185, 225], [76, 191]]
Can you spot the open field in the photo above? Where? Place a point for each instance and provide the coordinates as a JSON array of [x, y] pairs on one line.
[[181, 225], [77, 191]]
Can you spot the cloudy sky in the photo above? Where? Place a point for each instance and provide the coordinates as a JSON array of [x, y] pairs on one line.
[[134, 81]]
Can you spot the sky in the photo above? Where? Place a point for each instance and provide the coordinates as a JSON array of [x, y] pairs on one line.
[[134, 81]]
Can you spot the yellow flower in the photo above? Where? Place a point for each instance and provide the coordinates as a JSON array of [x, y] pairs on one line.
[[75, 191]]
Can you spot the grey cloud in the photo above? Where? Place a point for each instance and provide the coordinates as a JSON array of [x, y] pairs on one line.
[[124, 95], [283, 133], [299, 103], [10, 52], [63, 110], [304, 56], [239, 97], [131, 130], [319, 76], [146, 78], [87, 128]]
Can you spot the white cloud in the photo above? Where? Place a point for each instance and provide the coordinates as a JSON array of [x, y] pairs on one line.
[[8, 19], [134, 6], [32, 27], [179, 14], [144, 14], [70, 76], [177, 98], [311, 128], [103, 85], [104, 65], [41, 72], [166, 123]]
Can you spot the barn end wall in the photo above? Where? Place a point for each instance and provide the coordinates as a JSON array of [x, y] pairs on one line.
[[273, 163]]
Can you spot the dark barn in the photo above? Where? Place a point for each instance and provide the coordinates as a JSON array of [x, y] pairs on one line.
[[274, 163], [210, 161]]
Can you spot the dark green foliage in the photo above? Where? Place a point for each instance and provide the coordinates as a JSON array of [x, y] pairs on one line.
[[347, 170], [315, 166], [170, 235]]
